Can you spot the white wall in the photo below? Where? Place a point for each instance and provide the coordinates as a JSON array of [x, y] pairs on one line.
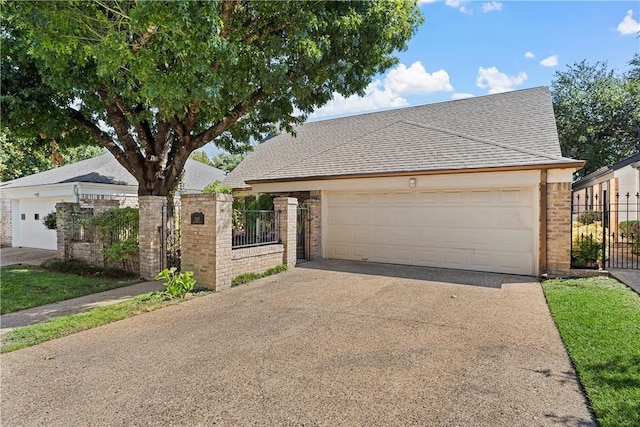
[[29, 232]]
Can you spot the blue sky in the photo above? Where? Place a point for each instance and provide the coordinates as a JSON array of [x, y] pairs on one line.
[[473, 48]]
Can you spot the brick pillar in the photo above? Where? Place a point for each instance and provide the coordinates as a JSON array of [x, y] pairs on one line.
[[152, 252], [559, 228], [206, 247], [315, 226], [288, 211], [64, 227]]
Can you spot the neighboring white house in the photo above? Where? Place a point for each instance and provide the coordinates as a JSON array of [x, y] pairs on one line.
[[619, 180], [25, 201], [475, 184]]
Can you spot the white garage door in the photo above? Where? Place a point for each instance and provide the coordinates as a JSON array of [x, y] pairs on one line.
[[488, 229], [31, 232]]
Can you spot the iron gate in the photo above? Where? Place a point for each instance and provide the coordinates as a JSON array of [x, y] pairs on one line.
[[170, 235], [604, 232], [302, 231]]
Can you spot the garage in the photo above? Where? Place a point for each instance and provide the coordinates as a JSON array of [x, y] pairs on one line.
[[484, 229], [29, 230]]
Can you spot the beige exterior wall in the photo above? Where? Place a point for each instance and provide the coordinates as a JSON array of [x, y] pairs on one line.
[[256, 259]]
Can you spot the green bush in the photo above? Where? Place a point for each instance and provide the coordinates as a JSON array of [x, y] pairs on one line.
[[586, 251], [262, 203], [118, 230], [628, 228], [589, 217], [81, 268], [217, 188], [50, 220], [178, 284]]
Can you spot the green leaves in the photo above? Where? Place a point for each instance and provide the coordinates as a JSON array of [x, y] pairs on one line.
[[154, 81], [178, 284], [597, 113]]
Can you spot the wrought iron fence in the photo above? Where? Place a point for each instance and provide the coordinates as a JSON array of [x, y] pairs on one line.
[[170, 235], [255, 228], [83, 230], [605, 232]]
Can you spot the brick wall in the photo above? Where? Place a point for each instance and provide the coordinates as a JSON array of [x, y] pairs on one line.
[[256, 259], [5, 223], [288, 208], [559, 228]]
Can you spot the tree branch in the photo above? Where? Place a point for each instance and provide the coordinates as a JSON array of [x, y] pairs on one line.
[[228, 6], [234, 115]]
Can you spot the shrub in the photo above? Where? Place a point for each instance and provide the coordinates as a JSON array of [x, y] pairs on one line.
[[587, 243], [81, 268], [630, 228], [589, 217], [118, 230], [217, 188], [178, 284], [50, 220], [250, 277]]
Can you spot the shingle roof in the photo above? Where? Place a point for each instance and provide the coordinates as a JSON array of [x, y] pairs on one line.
[[509, 129], [105, 169], [587, 180]]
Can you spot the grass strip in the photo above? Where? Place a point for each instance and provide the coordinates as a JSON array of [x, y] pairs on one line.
[[599, 322], [24, 287], [250, 277], [66, 325]]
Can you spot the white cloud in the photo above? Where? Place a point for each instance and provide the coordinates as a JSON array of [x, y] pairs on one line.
[[426, 1], [550, 61], [415, 80], [389, 92], [491, 6], [462, 95], [529, 55], [458, 4], [497, 81], [628, 24]]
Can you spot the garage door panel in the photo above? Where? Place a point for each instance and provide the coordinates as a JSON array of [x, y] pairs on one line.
[[488, 229]]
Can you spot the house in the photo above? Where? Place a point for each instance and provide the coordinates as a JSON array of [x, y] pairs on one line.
[[622, 178], [474, 184], [25, 201]]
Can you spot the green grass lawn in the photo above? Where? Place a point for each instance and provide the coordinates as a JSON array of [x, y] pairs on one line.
[[66, 325], [599, 321], [24, 287]]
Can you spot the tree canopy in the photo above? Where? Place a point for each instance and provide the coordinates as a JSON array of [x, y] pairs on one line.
[[223, 161], [597, 112], [154, 81]]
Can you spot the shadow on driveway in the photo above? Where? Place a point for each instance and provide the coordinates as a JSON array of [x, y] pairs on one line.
[[27, 256], [442, 275]]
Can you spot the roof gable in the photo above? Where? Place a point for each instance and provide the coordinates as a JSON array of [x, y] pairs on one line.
[[509, 129], [105, 169]]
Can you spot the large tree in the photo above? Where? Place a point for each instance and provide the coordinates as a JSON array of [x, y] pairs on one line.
[[154, 81], [597, 112]]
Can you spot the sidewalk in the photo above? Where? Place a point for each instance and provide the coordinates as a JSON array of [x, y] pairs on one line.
[[74, 305], [631, 278]]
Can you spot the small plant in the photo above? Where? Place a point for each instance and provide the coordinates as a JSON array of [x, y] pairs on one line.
[[178, 284], [589, 217], [50, 220], [217, 188], [586, 251], [250, 277]]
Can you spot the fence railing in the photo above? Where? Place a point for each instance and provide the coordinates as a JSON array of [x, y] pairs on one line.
[[255, 228], [605, 231], [83, 229]]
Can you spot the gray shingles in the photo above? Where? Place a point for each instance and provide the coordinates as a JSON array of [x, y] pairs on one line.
[[509, 129], [105, 169]]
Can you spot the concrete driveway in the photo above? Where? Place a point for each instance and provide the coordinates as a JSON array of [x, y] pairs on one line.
[[30, 256], [327, 343]]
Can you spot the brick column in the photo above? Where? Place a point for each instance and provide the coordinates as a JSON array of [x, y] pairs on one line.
[[288, 211], [206, 247], [315, 227], [152, 252], [64, 227], [559, 228]]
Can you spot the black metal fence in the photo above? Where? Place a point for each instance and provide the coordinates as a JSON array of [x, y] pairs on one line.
[[302, 234], [605, 231], [255, 228], [170, 235], [83, 229]]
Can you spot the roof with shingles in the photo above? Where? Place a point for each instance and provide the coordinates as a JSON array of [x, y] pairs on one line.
[[495, 131], [105, 169]]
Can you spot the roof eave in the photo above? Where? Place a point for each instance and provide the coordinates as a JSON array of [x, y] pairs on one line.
[[567, 165]]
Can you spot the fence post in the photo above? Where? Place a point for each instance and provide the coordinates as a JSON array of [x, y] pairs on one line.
[[288, 208], [64, 227], [605, 226], [206, 238]]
